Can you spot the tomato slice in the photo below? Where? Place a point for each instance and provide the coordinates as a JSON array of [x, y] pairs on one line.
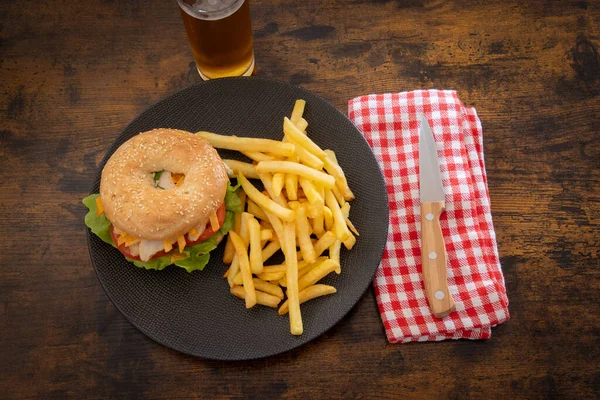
[[122, 248], [208, 232]]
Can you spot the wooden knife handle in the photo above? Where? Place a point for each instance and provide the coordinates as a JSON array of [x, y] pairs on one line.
[[433, 254]]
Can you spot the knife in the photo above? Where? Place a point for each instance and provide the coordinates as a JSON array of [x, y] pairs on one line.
[[433, 251]]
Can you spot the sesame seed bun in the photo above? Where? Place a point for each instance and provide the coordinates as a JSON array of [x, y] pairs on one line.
[[132, 202]]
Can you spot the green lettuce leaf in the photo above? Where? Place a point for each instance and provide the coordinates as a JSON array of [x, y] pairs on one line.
[[158, 264], [232, 200], [229, 222], [193, 263], [99, 225], [196, 257], [157, 175]]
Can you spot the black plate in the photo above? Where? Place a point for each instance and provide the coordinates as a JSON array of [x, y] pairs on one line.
[[194, 313]]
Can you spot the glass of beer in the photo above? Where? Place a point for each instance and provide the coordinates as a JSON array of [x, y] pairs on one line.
[[220, 35]]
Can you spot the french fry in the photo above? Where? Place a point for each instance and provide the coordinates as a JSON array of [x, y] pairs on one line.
[[290, 130], [270, 249], [264, 224], [277, 226], [242, 255], [312, 210], [289, 167], [304, 267], [334, 169], [350, 242], [262, 298], [243, 199], [317, 273], [256, 261], [249, 144], [278, 183], [267, 181], [244, 228], [265, 234], [238, 280], [291, 186], [249, 170], [272, 276], [257, 156], [306, 157], [229, 251], [321, 190], [303, 235], [255, 210], [302, 124], [324, 242], [303, 263], [267, 287], [328, 216], [274, 268], [304, 271], [338, 195], [310, 191], [291, 273], [317, 224], [297, 111], [263, 201], [234, 268], [346, 213], [334, 254], [339, 223], [307, 294]]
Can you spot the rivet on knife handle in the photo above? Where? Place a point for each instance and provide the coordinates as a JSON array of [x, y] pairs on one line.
[[433, 254]]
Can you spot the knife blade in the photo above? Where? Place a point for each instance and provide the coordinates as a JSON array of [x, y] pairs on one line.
[[433, 250]]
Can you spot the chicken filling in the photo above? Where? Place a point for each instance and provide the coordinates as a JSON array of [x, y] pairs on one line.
[[167, 180]]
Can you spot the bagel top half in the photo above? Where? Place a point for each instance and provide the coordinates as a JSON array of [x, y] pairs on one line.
[[134, 205]]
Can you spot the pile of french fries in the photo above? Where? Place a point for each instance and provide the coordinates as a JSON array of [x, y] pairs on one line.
[[304, 205]]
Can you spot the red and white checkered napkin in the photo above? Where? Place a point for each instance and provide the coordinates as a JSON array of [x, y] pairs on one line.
[[390, 123]]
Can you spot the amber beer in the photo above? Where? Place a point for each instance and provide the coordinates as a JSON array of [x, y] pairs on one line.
[[220, 35]]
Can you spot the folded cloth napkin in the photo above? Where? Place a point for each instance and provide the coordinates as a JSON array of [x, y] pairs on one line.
[[390, 123]]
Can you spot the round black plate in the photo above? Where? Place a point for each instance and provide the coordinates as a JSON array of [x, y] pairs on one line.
[[194, 313]]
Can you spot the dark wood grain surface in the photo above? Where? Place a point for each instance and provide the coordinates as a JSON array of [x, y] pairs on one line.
[[73, 74]]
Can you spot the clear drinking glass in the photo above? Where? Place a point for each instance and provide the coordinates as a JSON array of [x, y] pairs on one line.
[[220, 35]]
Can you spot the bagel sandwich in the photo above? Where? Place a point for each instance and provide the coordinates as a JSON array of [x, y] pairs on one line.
[[165, 198]]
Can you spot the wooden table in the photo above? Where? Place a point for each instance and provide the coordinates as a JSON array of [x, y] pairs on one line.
[[75, 73]]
